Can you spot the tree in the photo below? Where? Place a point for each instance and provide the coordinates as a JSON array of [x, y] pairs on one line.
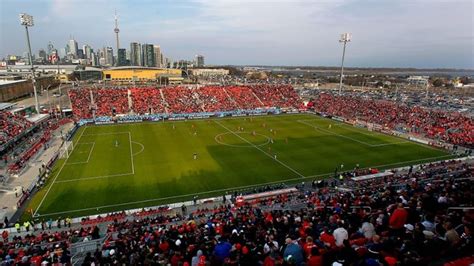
[[438, 82]]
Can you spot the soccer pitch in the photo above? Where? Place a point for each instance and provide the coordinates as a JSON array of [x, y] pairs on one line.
[[125, 166]]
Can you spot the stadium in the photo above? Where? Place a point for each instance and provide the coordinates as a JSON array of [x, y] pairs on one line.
[[183, 159], [209, 133]]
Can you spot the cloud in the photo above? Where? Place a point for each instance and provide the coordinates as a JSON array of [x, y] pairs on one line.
[[279, 32]]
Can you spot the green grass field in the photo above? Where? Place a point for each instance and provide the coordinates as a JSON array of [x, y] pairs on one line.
[[125, 166]]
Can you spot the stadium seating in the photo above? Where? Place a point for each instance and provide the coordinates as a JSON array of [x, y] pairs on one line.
[[277, 95], [244, 97], [181, 100], [215, 99], [405, 219], [11, 126], [450, 127]]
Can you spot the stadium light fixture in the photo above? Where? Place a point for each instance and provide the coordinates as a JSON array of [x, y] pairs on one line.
[[27, 21], [345, 38]]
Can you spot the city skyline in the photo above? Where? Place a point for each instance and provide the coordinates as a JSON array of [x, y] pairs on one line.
[[395, 34]]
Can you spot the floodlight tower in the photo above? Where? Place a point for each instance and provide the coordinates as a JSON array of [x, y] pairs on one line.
[[345, 38], [27, 21]]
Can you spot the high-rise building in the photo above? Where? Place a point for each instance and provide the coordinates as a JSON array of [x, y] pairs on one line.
[[109, 56], [148, 55], [122, 57], [135, 54], [199, 60], [157, 51], [72, 48], [42, 55], [87, 51], [50, 48], [94, 60], [80, 54]]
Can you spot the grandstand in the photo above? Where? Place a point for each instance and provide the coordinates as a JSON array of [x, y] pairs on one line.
[[249, 175]]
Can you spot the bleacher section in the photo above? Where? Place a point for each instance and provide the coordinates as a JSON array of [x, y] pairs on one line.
[[181, 100]]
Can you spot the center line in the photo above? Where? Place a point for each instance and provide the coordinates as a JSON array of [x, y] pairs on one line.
[[258, 148]]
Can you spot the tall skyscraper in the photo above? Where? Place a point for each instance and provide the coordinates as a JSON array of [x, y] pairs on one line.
[[148, 55], [87, 51], [94, 60], [116, 30], [42, 55], [157, 50], [109, 56], [199, 60], [135, 54], [72, 45], [50, 48], [80, 54], [122, 57]]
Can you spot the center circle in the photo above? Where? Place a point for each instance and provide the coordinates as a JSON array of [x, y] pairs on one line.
[[246, 143]]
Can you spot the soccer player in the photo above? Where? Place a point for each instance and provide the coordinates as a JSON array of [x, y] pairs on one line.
[[195, 156], [330, 126], [116, 143], [275, 156]]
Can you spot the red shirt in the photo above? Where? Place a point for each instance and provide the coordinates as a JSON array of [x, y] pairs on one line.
[[315, 261], [398, 218]]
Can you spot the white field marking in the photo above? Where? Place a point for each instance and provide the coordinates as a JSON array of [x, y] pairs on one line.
[[378, 145], [90, 152], [258, 148], [362, 131], [56, 177], [351, 128], [179, 196], [104, 176], [143, 148], [109, 133], [239, 146], [391, 143], [214, 191], [131, 155], [91, 178], [339, 135]]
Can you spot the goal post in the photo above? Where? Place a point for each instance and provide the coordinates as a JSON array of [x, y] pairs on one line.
[[66, 149]]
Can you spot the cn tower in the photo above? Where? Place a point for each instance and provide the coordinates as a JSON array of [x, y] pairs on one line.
[[116, 30]]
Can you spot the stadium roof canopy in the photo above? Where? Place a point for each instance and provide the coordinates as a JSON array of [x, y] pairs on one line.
[[4, 106]]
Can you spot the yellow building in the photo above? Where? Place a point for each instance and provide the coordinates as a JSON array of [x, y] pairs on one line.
[[141, 74]]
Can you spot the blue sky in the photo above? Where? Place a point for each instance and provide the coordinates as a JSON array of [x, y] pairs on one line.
[[396, 33]]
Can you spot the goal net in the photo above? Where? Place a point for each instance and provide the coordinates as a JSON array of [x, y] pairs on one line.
[[66, 149]]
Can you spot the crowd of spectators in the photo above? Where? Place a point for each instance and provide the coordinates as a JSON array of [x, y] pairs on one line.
[[450, 127], [244, 97], [179, 100], [11, 126], [48, 247], [409, 223], [277, 95], [147, 101], [393, 226], [215, 99]]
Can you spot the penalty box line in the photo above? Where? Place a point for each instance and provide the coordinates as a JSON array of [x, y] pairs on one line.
[[342, 136], [90, 153], [258, 148], [59, 172], [106, 176], [218, 190], [65, 163]]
